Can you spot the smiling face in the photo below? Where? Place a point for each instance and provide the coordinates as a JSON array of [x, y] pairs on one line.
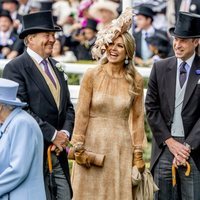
[[42, 43], [116, 52], [5, 23], [184, 48]]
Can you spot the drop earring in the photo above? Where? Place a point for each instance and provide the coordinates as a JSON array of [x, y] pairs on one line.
[[126, 61]]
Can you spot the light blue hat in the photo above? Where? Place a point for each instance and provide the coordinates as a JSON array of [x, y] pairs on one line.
[[8, 93]]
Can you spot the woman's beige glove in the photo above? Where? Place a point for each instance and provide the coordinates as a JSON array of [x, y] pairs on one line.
[[80, 155], [138, 161], [84, 157]]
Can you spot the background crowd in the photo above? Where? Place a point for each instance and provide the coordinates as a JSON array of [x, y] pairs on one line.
[[81, 19]]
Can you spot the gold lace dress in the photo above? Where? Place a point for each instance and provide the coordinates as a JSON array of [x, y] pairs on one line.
[[103, 124]]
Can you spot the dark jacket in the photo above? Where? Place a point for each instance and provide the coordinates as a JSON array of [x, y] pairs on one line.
[[34, 90], [160, 102]]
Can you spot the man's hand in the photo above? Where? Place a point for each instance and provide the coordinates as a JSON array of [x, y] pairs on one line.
[[61, 141], [180, 151]]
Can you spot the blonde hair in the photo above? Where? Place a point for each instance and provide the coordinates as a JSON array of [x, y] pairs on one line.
[[130, 71]]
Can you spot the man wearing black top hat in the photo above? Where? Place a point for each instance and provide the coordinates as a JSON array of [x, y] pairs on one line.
[[82, 49], [10, 44], [192, 6], [43, 86], [172, 107], [12, 7], [89, 32], [144, 29]]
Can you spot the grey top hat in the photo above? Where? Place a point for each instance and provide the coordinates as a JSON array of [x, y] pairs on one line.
[[8, 93], [38, 22], [187, 26]]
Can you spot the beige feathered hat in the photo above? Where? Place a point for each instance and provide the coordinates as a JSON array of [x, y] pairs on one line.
[[108, 34]]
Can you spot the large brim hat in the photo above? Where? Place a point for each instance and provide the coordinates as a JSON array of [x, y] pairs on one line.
[[109, 33], [145, 10], [187, 26], [96, 7], [85, 4], [6, 13], [8, 93], [38, 22]]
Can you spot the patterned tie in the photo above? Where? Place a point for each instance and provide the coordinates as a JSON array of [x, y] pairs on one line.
[[46, 69], [183, 74]]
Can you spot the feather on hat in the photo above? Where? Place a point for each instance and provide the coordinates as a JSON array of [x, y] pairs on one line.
[[108, 34]]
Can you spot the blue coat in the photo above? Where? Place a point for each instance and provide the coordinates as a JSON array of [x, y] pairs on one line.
[[21, 160]]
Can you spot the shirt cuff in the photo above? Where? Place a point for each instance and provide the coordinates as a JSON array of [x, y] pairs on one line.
[[67, 133], [54, 136]]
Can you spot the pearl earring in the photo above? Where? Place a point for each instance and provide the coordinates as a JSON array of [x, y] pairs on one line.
[[126, 61]]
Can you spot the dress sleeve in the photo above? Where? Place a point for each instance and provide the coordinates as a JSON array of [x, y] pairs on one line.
[[136, 119], [83, 108]]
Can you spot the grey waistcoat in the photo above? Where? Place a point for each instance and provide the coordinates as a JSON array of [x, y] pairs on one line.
[[177, 129]]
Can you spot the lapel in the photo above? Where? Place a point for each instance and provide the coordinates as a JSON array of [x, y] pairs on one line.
[[192, 80], [61, 81], [170, 83], [38, 79]]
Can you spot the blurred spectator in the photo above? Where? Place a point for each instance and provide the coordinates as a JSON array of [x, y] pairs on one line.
[[170, 14], [144, 20], [105, 11], [24, 6], [83, 11], [83, 50], [35, 6], [12, 6], [46, 5], [59, 54], [66, 12], [160, 45], [10, 44], [192, 6], [159, 9]]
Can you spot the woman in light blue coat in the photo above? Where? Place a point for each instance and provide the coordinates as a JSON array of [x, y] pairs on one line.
[[21, 149]]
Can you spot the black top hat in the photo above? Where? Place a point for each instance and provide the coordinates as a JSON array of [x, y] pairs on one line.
[[38, 22], [5, 13], [10, 1], [187, 26], [91, 24], [146, 11], [160, 40]]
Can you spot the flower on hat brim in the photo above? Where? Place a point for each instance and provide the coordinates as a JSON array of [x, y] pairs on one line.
[[108, 34]]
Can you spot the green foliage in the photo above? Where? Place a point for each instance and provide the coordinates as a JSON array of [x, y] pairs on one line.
[[73, 79]]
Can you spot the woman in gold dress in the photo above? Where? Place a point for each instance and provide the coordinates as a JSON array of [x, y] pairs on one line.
[[109, 121]]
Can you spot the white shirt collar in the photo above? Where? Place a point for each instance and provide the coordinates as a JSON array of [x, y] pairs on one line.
[[189, 61], [150, 31], [34, 55]]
